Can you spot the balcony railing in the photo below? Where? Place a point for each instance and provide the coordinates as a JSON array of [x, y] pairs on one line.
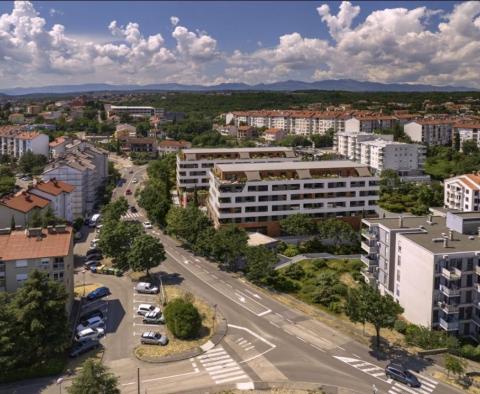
[[369, 246], [368, 235], [451, 274], [368, 261], [449, 326], [368, 274], [450, 292], [477, 270], [448, 308]]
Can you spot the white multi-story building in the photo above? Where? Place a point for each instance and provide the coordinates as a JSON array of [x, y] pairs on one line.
[[257, 196], [59, 194], [369, 123], [193, 165], [379, 155], [430, 265], [467, 131], [430, 132], [462, 192], [347, 144], [16, 142], [134, 111]]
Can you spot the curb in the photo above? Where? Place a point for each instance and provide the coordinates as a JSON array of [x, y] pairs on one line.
[[220, 332]]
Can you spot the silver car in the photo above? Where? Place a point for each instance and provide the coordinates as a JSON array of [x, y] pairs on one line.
[[153, 338]]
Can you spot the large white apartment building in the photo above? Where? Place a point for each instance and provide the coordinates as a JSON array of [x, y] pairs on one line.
[[257, 196], [193, 165], [430, 132], [134, 111], [15, 142], [462, 192], [430, 265], [406, 159], [347, 144], [369, 123], [467, 131]]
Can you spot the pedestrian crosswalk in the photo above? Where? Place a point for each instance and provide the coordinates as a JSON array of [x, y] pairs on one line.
[[427, 387], [366, 367], [221, 367], [131, 216]]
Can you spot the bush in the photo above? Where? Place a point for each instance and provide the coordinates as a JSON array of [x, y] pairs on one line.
[[291, 251], [295, 271], [50, 368], [183, 319], [426, 339], [284, 284], [400, 326], [318, 264], [335, 307]]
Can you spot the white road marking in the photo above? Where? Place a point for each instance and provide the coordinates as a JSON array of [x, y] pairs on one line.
[[264, 313], [197, 260], [230, 379], [274, 324], [239, 339], [425, 378], [214, 277], [249, 348], [357, 363], [253, 294], [303, 340], [318, 348]]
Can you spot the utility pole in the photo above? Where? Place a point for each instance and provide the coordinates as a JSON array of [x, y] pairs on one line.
[[214, 318], [138, 380]]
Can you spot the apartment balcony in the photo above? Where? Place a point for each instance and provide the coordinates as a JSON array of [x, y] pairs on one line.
[[369, 235], [450, 291], [368, 274], [369, 261], [451, 273], [477, 269], [369, 246], [449, 326], [448, 308]]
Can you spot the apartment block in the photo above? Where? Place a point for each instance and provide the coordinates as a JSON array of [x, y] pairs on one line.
[[59, 194], [193, 165], [20, 208], [47, 250], [347, 144], [257, 196], [369, 123], [467, 131], [430, 132], [133, 111], [462, 192], [430, 265], [14, 141]]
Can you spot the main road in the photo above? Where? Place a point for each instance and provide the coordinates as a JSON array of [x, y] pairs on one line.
[[284, 344]]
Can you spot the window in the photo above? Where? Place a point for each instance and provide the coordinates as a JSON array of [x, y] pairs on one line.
[[21, 263], [22, 277], [398, 275]]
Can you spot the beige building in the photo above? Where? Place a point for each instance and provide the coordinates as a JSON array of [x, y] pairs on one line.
[[274, 135], [21, 208], [462, 193], [47, 250]]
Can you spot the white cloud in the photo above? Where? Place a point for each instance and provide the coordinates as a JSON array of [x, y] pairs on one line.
[[196, 46], [54, 12], [174, 20]]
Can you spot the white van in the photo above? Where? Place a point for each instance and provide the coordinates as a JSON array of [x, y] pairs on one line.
[[94, 220]]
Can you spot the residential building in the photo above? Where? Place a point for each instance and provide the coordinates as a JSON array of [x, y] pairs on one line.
[[133, 111], [193, 165], [34, 109], [430, 132], [140, 144], [467, 131], [368, 123], [245, 132], [274, 135], [257, 196], [347, 144], [19, 208], [172, 146], [462, 192], [14, 141], [47, 250], [125, 130], [59, 194], [430, 265], [16, 118], [227, 131], [58, 146]]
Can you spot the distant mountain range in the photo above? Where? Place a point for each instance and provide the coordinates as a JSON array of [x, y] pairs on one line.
[[331, 84]]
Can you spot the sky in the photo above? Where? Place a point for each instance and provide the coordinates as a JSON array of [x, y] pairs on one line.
[[73, 42]]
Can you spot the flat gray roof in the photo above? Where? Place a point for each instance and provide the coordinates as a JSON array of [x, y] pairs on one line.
[[234, 150], [290, 165], [408, 221]]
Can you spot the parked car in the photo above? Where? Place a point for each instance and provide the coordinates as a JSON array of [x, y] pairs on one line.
[[84, 346], [143, 309], [89, 333], [153, 338], [146, 288], [93, 251], [93, 322], [147, 225], [91, 264], [128, 192], [98, 293], [134, 180], [401, 374], [95, 256], [133, 209], [94, 313], [154, 318]]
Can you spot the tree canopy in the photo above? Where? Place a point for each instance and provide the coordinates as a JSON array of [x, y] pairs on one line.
[[146, 253], [94, 378]]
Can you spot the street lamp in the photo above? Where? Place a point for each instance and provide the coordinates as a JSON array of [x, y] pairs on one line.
[[83, 272], [214, 318], [59, 382]]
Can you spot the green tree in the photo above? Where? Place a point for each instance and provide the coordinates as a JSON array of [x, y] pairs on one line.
[[41, 319], [380, 311], [32, 163], [338, 232], [260, 262], [36, 219], [228, 245], [153, 199], [7, 180], [187, 223], [389, 180], [356, 307], [115, 210], [10, 351], [298, 224], [470, 147], [146, 253], [116, 240], [183, 319], [94, 378], [49, 218], [454, 365], [203, 243]]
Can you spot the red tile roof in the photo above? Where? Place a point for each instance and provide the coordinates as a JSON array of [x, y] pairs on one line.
[[54, 187], [24, 202], [57, 141], [174, 144], [18, 245]]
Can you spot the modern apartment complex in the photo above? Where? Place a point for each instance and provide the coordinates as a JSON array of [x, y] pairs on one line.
[[462, 192], [257, 196], [369, 123], [14, 141], [193, 165], [48, 250], [133, 111], [467, 131], [430, 265], [347, 144], [430, 132]]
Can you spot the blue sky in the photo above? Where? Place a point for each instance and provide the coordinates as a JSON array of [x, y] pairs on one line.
[[211, 42]]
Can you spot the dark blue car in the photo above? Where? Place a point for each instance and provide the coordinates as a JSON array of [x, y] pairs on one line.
[[398, 372], [98, 293]]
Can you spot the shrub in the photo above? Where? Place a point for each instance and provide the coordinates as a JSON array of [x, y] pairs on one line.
[[295, 271], [426, 339], [335, 307], [291, 251], [318, 264], [183, 319], [281, 283], [400, 326]]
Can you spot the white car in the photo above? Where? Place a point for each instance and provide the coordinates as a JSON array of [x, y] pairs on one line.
[[143, 309], [90, 333], [94, 243], [134, 180], [147, 225], [93, 322]]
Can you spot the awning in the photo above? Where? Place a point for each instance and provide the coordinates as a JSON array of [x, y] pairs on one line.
[[253, 176], [244, 155], [304, 174]]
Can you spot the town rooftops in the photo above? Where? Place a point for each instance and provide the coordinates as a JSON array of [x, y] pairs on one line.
[[24, 202], [23, 245], [433, 121], [273, 131], [291, 165], [471, 124], [233, 150], [54, 187], [57, 141], [174, 144]]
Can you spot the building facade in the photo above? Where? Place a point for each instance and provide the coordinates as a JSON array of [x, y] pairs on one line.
[[15, 142], [462, 193], [59, 194], [257, 196], [469, 131], [430, 132], [134, 111], [20, 208], [347, 144]]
